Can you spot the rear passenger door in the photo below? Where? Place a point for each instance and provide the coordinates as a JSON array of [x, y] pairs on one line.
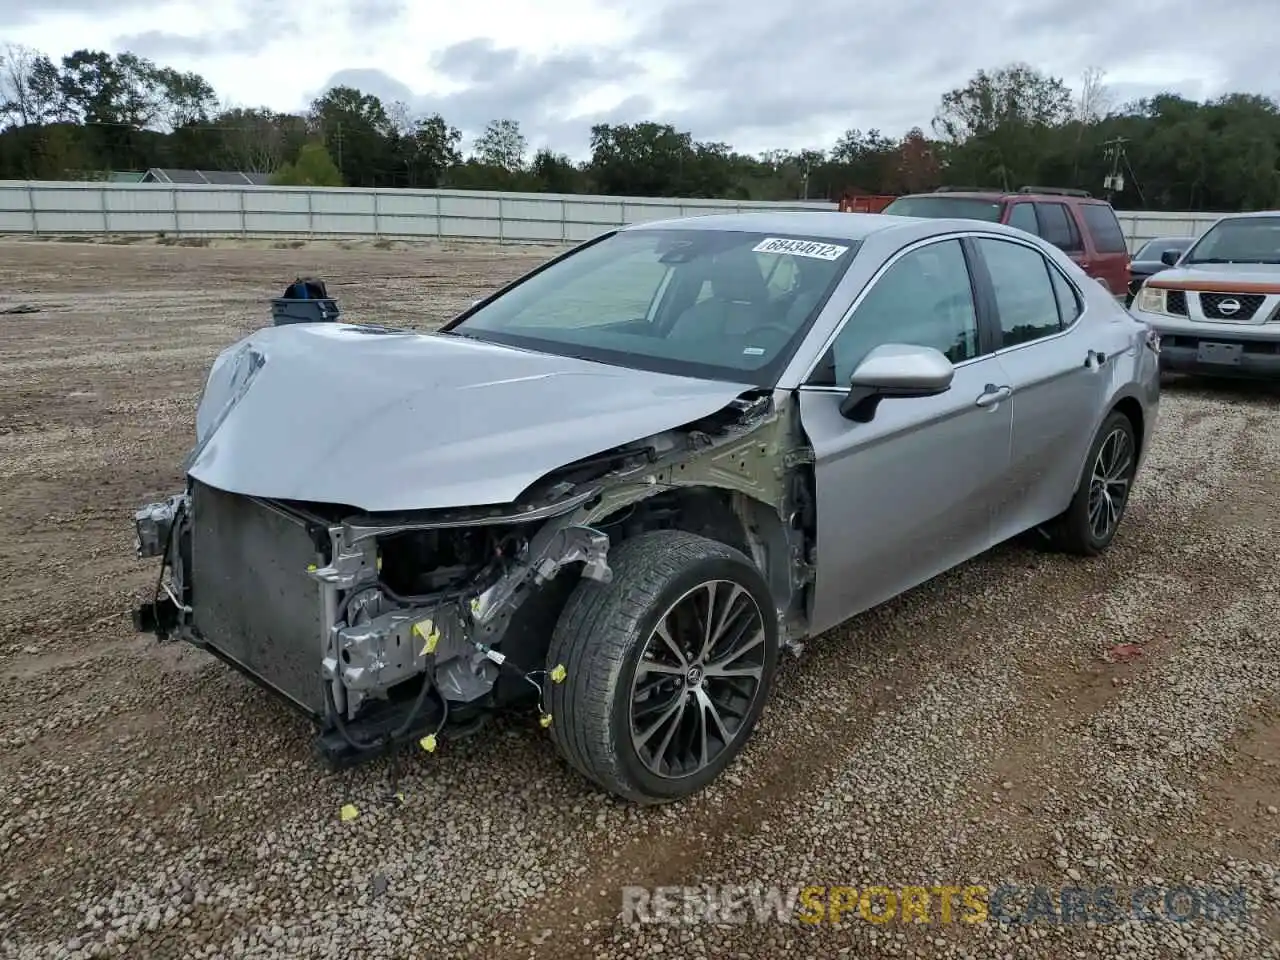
[[1056, 394]]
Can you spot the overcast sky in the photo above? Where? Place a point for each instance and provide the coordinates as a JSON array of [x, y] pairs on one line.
[[754, 73]]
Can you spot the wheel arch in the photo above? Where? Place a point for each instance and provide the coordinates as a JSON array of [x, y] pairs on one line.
[[1132, 409], [730, 516]]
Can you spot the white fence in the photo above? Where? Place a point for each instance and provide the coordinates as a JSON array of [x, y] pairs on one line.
[[47, 207]]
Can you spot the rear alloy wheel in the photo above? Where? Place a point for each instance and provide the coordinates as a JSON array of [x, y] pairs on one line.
[[1089, 524], [668, 666]]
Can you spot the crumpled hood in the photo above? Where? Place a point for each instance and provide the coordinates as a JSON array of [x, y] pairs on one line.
[[1248, 273], [389, 420]]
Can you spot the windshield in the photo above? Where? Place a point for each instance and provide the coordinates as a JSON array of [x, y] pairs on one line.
[[717, 304], [1152, 249], [937, 207], [1241, 240]]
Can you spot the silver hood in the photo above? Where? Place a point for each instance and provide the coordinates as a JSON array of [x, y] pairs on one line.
[[1252, 273], [389, 420]]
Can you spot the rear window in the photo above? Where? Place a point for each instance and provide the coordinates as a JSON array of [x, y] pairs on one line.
[[942, 207], [1105, 228]]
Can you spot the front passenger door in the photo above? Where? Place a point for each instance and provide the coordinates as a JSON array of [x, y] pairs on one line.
[[912, 492]]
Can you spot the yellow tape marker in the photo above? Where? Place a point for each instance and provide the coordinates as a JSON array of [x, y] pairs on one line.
[[426, 629]]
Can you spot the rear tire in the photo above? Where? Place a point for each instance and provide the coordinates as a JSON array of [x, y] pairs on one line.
[[653, 719], [1087, 527]]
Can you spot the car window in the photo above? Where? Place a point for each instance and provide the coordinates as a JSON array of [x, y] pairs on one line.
[[925, 298], [1023, 216], [1105, 228], [1239, 240], [1058, 227], [1025, 295], [622, 289], [780, 274], [1069, 306], [944, 205], [719, 304]]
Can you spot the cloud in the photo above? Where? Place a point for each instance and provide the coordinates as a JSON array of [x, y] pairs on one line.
[[496, 83], [245, 27], [753, 74], [16, 12]]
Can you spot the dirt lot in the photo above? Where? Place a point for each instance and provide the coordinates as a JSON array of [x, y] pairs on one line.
[[977, 731]]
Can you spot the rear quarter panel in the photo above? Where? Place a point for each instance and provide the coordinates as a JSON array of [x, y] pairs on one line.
[[1111, 268]]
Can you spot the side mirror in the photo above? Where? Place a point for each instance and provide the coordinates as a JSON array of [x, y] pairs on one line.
[[895, 370], [1170, 257]]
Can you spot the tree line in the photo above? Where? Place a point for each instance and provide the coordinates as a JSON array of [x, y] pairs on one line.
[[94, 112]]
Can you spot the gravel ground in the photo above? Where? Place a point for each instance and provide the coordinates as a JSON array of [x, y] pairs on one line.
[[982, 729]]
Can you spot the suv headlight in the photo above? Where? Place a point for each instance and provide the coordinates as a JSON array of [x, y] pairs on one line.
[[1152, 300]]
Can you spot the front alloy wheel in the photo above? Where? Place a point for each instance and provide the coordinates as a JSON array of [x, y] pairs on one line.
[[668, 666], [698, 676]]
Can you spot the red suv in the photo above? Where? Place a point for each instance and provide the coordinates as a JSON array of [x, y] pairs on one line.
[[1083, 227]]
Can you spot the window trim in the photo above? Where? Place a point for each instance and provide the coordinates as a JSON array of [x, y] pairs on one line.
[[983, 277], [981, 303]]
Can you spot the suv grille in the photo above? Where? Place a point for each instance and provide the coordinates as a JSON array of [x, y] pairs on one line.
[[1175, 301], [1239, 306]]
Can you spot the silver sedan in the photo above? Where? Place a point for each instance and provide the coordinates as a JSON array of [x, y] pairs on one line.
[[617, 489]]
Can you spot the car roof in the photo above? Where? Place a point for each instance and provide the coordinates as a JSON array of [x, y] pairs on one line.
[[829, 225], [1249, 215], [1001, 195]]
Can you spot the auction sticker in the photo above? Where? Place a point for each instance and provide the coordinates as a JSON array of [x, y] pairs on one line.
[[800, 248]]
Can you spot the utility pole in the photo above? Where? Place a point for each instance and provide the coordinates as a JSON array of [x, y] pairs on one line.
[[1114, 150]]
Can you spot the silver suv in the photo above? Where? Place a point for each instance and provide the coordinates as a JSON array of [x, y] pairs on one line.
[[1218, 308]]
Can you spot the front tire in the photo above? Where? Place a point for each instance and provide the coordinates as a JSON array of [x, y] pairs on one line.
[[668, 666], [1087, 527]]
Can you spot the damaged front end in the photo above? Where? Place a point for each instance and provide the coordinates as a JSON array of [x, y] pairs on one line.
[[379, 628], [385, 627]]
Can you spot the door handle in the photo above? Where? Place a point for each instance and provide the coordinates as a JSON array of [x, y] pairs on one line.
[[992, 395]]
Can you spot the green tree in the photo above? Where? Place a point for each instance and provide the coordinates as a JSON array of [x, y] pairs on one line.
[[313, 168], [502, 146], [1001, 119], [29, 89], [555, 173], [358, 134], [431, 151]]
